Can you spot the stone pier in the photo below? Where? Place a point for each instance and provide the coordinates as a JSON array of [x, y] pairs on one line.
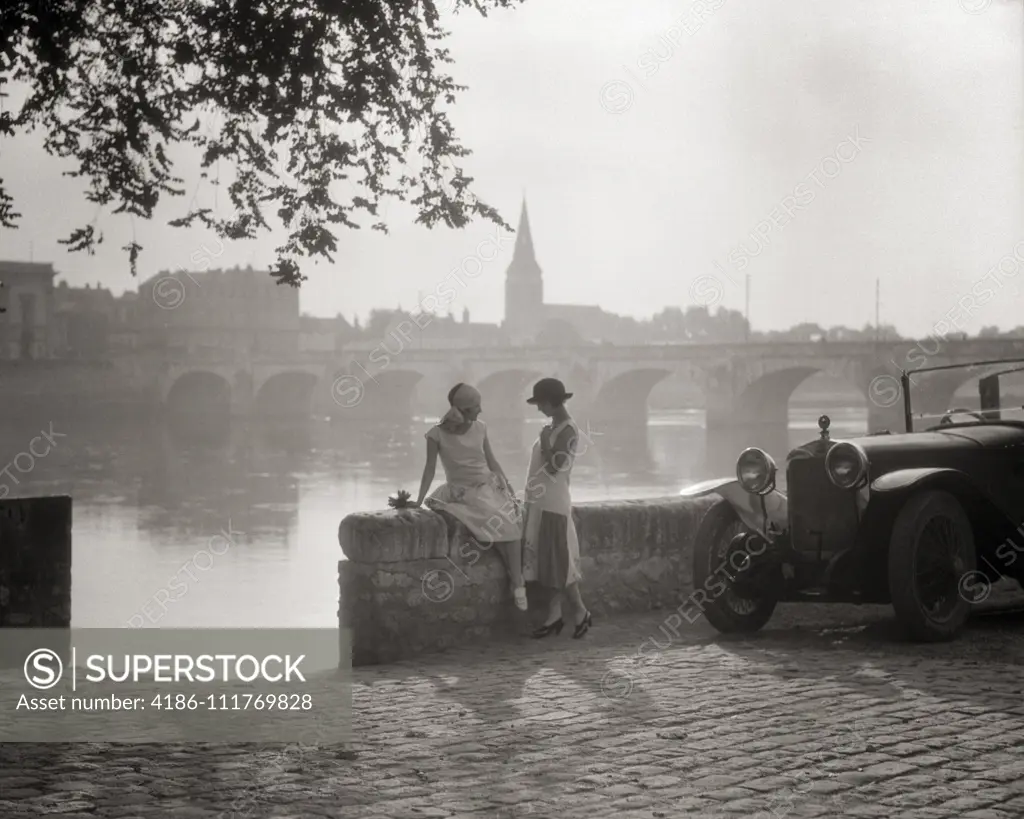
[[35, 563], [35, 574]]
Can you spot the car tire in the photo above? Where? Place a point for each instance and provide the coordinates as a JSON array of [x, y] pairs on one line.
[[932, 537], [725, 610]]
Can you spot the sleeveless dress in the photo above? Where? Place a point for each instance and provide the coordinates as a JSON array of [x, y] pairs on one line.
[[473, 494], [551, 551]]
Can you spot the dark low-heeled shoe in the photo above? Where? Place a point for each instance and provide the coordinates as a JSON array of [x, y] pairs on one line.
[[544, 631], [583, 627]]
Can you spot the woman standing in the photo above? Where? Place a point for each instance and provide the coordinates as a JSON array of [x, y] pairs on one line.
[[477, 491], [551, 551]]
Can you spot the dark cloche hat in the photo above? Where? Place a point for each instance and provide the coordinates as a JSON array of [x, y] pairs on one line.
[[549, 389]]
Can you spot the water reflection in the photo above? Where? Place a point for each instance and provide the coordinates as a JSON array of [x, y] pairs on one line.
[[149, 495], [195, 474], [382, 446]]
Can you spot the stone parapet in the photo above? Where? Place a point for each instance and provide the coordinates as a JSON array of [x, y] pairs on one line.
[[410, 586]]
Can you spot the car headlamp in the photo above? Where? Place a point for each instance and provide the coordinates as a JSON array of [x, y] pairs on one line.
[[755, 470], [846, 465]]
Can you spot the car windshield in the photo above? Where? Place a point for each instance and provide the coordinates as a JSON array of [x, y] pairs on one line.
[[980, 392]]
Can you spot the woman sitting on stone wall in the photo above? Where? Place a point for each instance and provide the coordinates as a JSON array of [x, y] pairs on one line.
[[476, 491]]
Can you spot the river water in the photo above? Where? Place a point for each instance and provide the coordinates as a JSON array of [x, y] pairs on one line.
[[236, 525]]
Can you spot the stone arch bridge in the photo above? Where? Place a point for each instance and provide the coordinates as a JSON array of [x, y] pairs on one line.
[[747, 387], [242, 388]]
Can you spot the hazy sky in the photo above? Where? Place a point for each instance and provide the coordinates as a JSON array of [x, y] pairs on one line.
[[636, 193]]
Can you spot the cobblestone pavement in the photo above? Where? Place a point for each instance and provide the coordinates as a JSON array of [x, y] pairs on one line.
[[835, 719]]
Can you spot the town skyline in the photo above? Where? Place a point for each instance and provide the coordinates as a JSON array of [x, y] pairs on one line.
[[648, 160], [528, 317], [713, 321]]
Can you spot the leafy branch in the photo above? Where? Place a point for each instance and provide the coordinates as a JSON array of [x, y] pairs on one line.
[[324, 109]]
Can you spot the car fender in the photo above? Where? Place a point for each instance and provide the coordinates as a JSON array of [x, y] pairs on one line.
[[746, 506], [904, 479]]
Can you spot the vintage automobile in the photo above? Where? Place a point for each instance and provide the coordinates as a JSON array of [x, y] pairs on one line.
[[904, 519]]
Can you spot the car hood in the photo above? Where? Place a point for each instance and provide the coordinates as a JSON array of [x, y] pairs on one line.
[[965, 437]]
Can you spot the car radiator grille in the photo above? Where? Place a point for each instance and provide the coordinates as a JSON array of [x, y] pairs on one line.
[[822, 517]]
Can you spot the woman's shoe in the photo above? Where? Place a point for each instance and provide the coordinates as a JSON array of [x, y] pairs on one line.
[[583, 627], [520, 596], [544, 631]]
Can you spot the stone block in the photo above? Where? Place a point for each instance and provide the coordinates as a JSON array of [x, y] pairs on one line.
[[393, 536]]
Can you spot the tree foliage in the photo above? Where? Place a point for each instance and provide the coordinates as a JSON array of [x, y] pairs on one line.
[[324, 109]]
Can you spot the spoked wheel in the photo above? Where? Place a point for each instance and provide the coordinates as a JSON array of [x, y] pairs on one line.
[[931, 551], [735, 600]]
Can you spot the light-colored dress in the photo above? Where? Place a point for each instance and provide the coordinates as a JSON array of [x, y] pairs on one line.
[[472, 493], [551, 550]]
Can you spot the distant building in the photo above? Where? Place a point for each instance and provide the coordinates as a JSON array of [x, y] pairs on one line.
[[85, 319], [529, 320], [27, 328], [445, 331], [426, 331], [245, 311], [324, 334], [124, 335]]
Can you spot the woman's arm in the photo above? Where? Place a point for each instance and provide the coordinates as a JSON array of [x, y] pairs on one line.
[[428, 470], [558, 454], [492, 462]]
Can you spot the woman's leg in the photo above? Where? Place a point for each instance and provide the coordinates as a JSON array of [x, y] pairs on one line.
[[554, 606], [554, 614], [511, 552], [572, 591]]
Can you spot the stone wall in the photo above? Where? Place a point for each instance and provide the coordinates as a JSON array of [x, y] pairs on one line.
[[410, 585]]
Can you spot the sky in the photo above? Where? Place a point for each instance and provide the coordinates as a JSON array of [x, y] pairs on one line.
[[816, 148]]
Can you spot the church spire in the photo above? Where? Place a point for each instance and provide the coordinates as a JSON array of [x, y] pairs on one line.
[[523, 253], [524, 284]]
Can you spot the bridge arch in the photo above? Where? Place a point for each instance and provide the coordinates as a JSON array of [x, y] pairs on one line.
[[289, 394], [760, 413], [386, 395], [624, 396], [199, 391], [769, 389], [770, 393], [504, 393]]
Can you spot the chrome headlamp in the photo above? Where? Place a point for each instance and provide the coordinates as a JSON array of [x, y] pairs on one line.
[[846, 465], [755, 470]]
